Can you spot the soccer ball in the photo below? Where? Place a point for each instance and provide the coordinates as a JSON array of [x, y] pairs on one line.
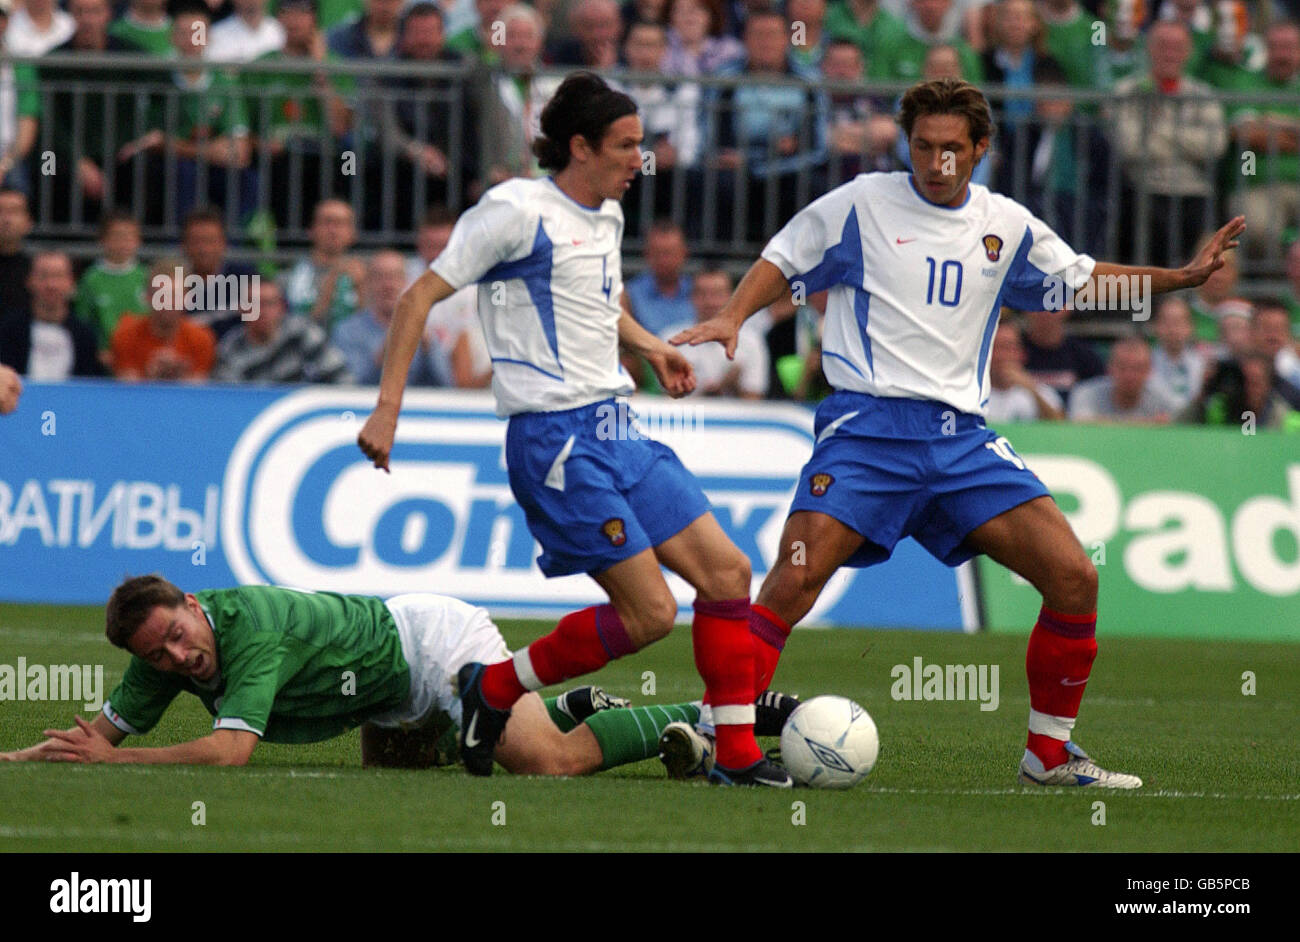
[[829, 742]]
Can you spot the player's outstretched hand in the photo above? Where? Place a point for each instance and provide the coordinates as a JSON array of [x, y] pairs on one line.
[[80, 744], [674, 371], [720, 328], [376, 438], [1210, 259]]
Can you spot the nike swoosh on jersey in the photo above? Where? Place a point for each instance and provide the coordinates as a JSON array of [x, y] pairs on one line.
[[470, 739], [1073, 683], [905, 241]]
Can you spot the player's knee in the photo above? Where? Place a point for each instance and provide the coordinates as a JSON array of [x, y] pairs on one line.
[[728, 578], [653, 618], [1078, 583]]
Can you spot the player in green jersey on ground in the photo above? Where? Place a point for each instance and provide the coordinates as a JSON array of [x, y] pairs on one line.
[[291, 666]]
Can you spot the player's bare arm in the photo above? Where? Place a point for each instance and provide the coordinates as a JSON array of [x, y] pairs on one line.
[[673, 370], [97, 742], [1194, 273], [404, 336], [763, 284]]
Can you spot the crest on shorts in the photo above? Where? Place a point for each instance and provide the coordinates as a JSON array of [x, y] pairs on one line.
[[819, 484], [992, 247], [613, 529]]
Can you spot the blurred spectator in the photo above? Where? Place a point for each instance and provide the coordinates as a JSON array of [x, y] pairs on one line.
[[1219, 31], [36, 27], [597, 27], [1126, 393], [326, 285], [453, 324], [1014, 395], [1292, 297], [1124, 53], [372, 35], [195, 117], [1218, 288], [660, 296], [145, 25], [477, 42], [15, 263], [745, 376], [163, 344], [1176, 364], [1233, 339], [861, 136], [1270, 196], [299, 118], [115, 283], [422, 125], [521, 94], [1054, 357], [1014, 62], [874, 30], [47, 342], [644, 11], [1240, 392], [268, 348], [1270, 330], [927, 25], [1068, 38], [943, 61], [807, 20], [11, 388], [770, 132], [671, 122], [1169, 141], [248, 34], [360, 338], [20, 106], [86, 137], [697, 44], [204, 245]]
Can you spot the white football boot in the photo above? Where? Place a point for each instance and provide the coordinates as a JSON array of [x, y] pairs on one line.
[[1078, 770]]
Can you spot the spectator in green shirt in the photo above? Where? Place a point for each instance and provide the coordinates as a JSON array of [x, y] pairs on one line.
[[19, 109], [1270, 196], [875, 31], [925, 28], [299, 119], [145, 24], [114, 284], [484, 40]]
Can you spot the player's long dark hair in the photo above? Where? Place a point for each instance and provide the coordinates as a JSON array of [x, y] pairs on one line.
[[583, 104], [947, 96]]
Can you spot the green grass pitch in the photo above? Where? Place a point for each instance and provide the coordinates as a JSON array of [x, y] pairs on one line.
[[1220, 765]]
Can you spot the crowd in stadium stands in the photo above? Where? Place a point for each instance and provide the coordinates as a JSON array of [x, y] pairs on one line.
[[1206, 356]]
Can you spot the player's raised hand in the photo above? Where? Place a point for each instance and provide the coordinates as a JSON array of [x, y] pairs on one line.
[[1210, 259], [376, 438], [674, 371], [721, 328]]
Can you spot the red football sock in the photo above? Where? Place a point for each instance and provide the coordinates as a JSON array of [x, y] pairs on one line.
[[582, 642], [769, 632], [1058, 662], [724, 656]]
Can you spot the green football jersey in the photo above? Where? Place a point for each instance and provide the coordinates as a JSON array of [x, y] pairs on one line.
[[295, 666], [876, 39], [104, 294]]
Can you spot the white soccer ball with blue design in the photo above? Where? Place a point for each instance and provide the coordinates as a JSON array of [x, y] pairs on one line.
[[829, 742]]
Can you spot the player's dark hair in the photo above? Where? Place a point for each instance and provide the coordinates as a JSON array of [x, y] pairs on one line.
[[947, 96], [584, 105], [133, 601]]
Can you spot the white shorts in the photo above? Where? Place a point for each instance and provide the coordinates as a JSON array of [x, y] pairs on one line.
[[439, 636]]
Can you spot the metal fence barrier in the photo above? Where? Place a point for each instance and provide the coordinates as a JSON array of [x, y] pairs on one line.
[[360, 131]]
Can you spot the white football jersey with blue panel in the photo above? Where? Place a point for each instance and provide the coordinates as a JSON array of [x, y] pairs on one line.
[[915, 288], [550, 279]]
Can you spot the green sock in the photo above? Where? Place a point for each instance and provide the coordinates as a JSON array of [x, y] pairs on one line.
[[632, 734], [558, 716]]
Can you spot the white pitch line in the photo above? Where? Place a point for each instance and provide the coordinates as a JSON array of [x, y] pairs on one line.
[[1059, 790]]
